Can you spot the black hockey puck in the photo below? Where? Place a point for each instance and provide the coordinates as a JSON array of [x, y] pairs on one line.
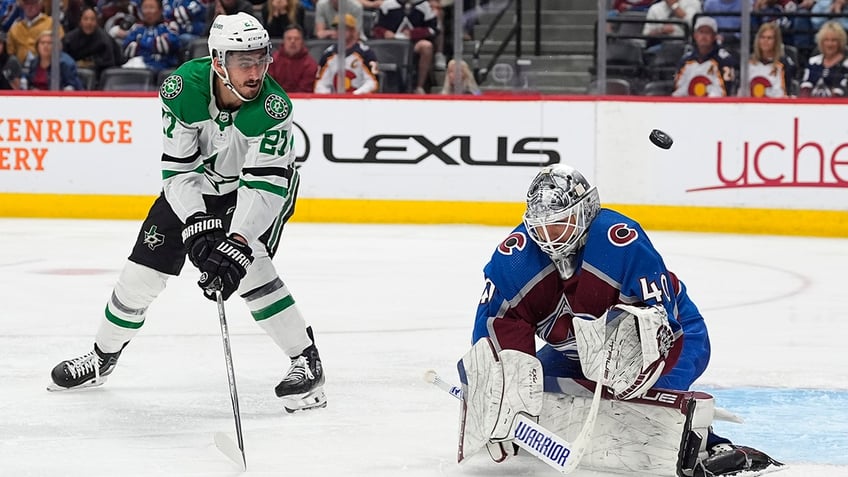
[[661, 139]]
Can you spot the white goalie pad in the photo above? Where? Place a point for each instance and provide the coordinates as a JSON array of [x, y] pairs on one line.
[[496, 387], [641, 339], [661, 433]]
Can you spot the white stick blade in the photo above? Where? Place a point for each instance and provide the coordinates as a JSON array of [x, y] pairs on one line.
[[229, 448]]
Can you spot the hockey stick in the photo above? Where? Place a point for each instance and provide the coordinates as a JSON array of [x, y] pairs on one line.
[[223, 441], [534, 438]]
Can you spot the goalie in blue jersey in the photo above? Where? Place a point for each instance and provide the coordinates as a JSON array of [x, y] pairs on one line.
[[590, 284]]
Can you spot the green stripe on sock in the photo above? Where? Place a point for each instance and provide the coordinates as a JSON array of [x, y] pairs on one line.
[[122, 323], [273, 308]]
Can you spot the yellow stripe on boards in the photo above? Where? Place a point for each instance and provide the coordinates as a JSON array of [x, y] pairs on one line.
[[820, 223]]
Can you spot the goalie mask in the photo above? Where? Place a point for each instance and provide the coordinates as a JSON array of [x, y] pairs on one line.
[[240, 41], [561, 205]]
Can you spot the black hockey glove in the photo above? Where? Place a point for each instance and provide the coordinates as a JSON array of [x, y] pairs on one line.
[[201, 234], [224, 268]]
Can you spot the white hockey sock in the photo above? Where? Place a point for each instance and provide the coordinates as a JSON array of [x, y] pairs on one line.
[[275, 311], [136, 288]]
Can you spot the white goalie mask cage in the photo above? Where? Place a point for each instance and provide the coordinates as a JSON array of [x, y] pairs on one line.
[[561, 205], [235, 33]]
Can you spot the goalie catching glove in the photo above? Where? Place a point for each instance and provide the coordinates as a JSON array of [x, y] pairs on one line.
[[641, 341], [224, 268]]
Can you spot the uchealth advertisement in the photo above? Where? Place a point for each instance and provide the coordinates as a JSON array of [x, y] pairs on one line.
[[463, 155], [772, 156]]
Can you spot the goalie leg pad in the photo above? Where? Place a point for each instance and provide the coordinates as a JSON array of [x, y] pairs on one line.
[[496, 387]]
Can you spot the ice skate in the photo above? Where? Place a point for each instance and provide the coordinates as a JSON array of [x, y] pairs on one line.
[[89, 370], [302, 386], [729, 459]]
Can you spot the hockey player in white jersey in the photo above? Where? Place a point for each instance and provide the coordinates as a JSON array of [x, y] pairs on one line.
[[229, 186]]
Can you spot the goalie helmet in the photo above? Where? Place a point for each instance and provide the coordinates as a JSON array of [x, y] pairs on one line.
[[561, 205], [241, 32]]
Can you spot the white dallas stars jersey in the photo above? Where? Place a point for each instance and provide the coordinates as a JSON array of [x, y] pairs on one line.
[[767, 80], [214, 152]]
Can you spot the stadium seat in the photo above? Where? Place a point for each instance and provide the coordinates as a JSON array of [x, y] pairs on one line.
[[316, 47], [198, 48], [624, 59], [88, 77], [658, 88], [663, 64], [369, 19], [127, 79], [395, 59], [160, 78], [615, 86]]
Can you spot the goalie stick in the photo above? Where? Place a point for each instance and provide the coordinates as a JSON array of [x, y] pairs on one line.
[[550, 448], [222, 440]]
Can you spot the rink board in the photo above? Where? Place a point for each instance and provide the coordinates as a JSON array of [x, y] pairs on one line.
[[774, 167]]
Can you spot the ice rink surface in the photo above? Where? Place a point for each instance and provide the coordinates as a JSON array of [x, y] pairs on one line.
[[386, 303]]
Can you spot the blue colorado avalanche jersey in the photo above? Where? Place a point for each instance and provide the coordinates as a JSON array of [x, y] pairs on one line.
[[524, 295]]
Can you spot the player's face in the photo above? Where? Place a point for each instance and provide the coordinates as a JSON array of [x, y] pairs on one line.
[[558, 232], [766, 42], [705, 37], [292, 42], [829, 45], [247, 70]]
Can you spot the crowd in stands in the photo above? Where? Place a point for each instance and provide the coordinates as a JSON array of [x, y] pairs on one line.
[[692, 47], [102, 39], [657, 47]]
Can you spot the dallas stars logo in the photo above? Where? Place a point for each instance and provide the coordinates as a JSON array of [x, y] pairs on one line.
[[171, 87], [276, 107], [152, 238]]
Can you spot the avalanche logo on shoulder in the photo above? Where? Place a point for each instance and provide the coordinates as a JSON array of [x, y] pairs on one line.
[[276, 107], [171, 87]]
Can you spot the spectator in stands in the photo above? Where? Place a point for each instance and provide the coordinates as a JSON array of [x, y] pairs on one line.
[[327, 10], [71, 12], [839, 7], [826, 74], [621, 6], [371, 4], [10, 67], [38, 67], [188, 17], [416, 22], [151, 43], [90, 46], [770, 71], [22, 36], [677, 10], [360, 65], [278, 15], [227, 7], [728, 26], [293, 67], [10, 11], [709, 70], [119, 16], [469, 85], [439, 60]]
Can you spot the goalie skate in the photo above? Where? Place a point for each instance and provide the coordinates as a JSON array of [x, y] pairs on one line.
[[302, 386], [737, 461], [89, 370]]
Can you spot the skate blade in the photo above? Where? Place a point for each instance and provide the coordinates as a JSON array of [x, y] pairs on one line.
[[314, 399], [53, 387]]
